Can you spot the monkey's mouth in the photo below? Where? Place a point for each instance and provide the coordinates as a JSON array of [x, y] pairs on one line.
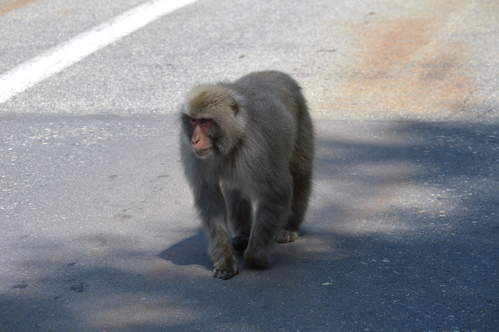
[[204, 152]]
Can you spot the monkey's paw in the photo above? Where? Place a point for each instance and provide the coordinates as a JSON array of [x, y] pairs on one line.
[[240, 243], [224, 274], [287, 236]]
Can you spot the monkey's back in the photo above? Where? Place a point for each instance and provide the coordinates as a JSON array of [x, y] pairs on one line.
[[275, 97], [274, 85], [269, 111]]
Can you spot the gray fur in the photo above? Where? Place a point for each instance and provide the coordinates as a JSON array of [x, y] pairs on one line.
[[258, 175]]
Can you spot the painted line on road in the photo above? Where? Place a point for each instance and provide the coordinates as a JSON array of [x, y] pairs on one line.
[[70, 52]]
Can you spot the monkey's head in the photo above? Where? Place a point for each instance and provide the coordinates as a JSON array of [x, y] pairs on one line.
[[212, 120]]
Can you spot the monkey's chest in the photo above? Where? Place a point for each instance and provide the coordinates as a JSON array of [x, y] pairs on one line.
[[238, 183]]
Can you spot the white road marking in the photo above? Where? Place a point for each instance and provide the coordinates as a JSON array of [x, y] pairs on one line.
[[68, 53]]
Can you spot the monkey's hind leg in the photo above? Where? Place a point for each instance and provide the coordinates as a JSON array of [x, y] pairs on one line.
[[301, 193], [268, 220], [240, 214]]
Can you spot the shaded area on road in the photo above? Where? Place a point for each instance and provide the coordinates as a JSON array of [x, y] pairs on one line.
[[401, 233], [186, 252]]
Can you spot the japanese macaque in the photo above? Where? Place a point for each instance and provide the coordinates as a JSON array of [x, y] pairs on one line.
[[247, 149]]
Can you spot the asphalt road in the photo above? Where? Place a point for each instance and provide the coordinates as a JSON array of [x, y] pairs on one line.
[[402, 233]]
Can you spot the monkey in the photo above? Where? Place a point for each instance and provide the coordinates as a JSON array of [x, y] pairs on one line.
[[247, 150]]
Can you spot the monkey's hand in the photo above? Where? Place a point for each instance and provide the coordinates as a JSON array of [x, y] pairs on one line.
[[225, 274], [224, 258], [240, 243], [287, 236]]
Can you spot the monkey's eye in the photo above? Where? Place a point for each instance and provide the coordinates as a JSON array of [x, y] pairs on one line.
[[205, 122], [193, 121]]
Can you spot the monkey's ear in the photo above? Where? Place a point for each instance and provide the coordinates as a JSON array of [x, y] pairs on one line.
[[235, 100], [234, 107]]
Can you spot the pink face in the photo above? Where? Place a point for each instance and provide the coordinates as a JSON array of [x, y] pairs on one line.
[[200, 141]]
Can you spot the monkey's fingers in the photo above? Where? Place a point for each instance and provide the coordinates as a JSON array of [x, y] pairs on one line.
[[223, 274], [287, 236]]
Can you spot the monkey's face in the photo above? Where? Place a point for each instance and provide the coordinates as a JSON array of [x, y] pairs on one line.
[[201, 142], [213, 121]]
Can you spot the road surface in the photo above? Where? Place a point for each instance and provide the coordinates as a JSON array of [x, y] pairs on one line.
[[98, 231]]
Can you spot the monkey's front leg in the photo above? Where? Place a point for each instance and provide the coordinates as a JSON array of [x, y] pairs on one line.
[[212, 209], [221, 251]]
